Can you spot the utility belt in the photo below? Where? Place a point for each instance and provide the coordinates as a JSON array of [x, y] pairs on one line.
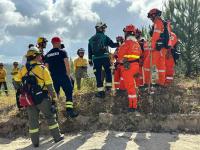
[[126, 63], [82, 67], [99, 56], [161, 43]]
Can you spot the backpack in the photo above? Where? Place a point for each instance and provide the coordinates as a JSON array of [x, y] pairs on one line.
[[30, 92], [163, 41], [175, 53], [98, 46]]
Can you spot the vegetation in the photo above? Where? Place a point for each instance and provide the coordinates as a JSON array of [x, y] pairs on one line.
[[185, 20]]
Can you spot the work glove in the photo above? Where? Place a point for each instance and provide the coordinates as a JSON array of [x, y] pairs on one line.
[[53, 107], [115, 56], [90, 63], [137, 75], [159, 45], [126, 64], [116, 64], [17, 100], [72, 81]]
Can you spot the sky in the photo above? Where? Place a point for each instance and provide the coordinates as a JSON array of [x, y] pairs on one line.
[[23, 21]]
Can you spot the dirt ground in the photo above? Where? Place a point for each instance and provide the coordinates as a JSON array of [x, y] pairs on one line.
[[174, 110], [110, 140]]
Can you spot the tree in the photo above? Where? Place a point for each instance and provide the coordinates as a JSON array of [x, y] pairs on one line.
[[185, 20]]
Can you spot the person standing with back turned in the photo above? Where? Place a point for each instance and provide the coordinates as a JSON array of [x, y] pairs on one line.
[[57, 62], [99, 55], [34, 68]]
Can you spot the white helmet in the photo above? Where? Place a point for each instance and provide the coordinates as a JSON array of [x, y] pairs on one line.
[[101, 24], [34, 48], [33, 51]]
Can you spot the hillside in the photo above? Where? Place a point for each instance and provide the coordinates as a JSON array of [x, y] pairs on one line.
[[177, 108]]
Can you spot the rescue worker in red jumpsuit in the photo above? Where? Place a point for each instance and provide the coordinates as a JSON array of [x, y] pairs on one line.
[[169, 61], [118, 80], [128, 55], [139, 80], [159, 50]]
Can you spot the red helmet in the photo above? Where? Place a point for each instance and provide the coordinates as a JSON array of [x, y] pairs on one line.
[[56, 40], [154, 12], [130, 28]]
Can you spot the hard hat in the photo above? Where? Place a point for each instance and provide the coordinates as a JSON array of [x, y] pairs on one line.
[[30, 45], [80, 50], [130, 28], [15, 63], [56, 40], [33, 51], [101, 24], [41, 40], [154, 12]]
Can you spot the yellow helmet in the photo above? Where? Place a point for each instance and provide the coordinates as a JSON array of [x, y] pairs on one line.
[[33, 51], [41, 40]]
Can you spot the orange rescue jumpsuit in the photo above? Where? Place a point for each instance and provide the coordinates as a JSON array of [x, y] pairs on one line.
[[158, 57], [146, 65], [118, 80], [169, 61], [144, 70], [130, 50]]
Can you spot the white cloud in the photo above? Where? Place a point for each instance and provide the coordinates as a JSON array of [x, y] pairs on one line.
[[142, 7], [70, 19], [22, 21]]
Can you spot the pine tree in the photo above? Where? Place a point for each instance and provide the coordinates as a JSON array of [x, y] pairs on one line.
[[185, 20]]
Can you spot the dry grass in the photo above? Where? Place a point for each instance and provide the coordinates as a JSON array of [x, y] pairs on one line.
[[7, 101]]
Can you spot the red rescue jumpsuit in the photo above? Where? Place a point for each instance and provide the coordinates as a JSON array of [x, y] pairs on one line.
[[158, 57], [169, 61], [118, 80], [144, 70], [131, 50], [146, 65]]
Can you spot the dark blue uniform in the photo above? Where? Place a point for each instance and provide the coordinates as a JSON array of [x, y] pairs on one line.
[[99, 54], [55, 59]]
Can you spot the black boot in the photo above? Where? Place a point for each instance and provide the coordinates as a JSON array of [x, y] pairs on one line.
[[59, 139], [71, 113], [108, 89], [131, 109], [100, 94], [35, 145]]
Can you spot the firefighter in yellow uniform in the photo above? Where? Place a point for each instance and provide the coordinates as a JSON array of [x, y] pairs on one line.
[[43, 79], [80, 66], [14, 72], [3, 74]]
